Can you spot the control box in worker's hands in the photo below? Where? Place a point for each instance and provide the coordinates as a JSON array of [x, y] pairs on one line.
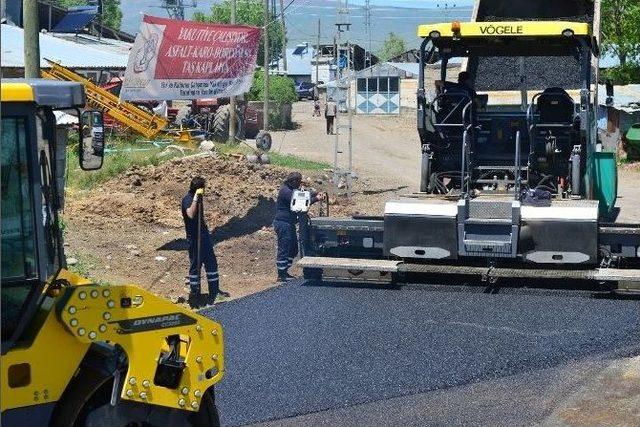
[[300, 201]]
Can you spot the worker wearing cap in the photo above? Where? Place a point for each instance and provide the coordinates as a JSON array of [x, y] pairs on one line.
[[200, 246], [284, 225]]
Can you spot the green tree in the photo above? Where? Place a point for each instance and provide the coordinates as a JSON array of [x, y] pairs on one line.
[[281, 89], [111, 13], [392, 46], [249, 12], [621, 29]]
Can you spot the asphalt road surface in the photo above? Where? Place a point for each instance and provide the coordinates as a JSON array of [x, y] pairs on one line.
[[418, 355]]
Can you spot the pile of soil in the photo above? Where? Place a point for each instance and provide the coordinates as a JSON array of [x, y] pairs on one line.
[[153, 194]]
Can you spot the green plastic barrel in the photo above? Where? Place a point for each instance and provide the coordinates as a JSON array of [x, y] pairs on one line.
[[605, 176], [633, 135]]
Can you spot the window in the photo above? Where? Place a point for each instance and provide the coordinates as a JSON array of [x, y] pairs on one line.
[[393, 84], [372, 85], [19, 262], [383, 84], [362, 85]]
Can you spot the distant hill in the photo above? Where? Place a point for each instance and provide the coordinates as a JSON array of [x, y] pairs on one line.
[[302, 17]]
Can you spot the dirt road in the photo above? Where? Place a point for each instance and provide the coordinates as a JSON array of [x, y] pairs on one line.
[[386, 150]]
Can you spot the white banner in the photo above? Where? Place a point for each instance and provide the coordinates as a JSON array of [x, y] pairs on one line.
[[173, 59]]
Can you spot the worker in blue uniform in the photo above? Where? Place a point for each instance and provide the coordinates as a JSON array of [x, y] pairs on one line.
[[200, 246], [284, 225]]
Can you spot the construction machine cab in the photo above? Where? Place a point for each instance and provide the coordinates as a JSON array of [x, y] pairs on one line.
[[540, 141], [76, 352], [33, 167]]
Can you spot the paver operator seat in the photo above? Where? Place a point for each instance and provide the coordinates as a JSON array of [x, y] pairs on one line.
[[553, 131]]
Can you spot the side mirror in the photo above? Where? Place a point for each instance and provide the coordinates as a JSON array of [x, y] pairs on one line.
[[91, 140]]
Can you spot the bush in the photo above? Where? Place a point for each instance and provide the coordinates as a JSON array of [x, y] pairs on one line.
[[623, 74], [282, 89]]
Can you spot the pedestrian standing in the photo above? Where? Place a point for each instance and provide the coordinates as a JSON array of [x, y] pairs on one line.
[[200, 246], [316, 107], [284, 225], [330, 111]]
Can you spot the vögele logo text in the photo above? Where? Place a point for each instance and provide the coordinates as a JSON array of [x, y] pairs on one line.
[[501, 29]]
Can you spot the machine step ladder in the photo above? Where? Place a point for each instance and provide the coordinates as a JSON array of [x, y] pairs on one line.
[[489, 226], [146, 124]]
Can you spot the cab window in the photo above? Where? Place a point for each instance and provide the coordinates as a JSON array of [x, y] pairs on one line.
[[19, 264]]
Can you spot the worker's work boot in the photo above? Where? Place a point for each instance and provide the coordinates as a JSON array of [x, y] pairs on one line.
[[195, 300], [219, 296], [282, 277]]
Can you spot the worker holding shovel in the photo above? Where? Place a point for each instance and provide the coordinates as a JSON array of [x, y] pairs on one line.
[[200, 246]]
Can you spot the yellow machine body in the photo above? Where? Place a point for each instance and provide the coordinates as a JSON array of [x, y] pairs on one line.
[[504, 28], [73, 315]]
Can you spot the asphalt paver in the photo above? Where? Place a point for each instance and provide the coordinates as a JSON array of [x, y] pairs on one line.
[[299, 349]]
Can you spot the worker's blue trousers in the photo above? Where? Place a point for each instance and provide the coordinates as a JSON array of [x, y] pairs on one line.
[[287, 245], [208, 259]]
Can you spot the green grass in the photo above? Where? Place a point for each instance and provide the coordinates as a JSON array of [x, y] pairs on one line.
[[119, 156], [295, 162]]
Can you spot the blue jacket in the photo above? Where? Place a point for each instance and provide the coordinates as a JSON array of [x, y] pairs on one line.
[[283, 205], [191, 224]]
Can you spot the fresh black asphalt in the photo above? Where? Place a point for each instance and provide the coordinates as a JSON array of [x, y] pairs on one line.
[[299, 349]]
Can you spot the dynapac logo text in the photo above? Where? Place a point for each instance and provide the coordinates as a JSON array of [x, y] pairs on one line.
[[154, 320]]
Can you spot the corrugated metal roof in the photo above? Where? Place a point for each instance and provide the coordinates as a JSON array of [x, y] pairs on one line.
[[407, 70], [410, 68], [66, 52], [100, 43], [625, 98]]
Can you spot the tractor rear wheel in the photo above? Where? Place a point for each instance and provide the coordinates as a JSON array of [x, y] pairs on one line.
[[219, 124]]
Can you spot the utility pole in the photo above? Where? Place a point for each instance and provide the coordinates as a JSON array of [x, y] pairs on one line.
[[31, 39], [317, 51], [367, 24], [265, 109], [232, 100], [342, 97], [284, 37]]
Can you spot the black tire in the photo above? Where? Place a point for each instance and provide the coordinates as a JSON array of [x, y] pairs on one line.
[[96, 411], [219, 124]]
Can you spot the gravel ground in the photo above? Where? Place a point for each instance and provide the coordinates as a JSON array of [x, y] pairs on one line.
[[298, 349], [386, 149]]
